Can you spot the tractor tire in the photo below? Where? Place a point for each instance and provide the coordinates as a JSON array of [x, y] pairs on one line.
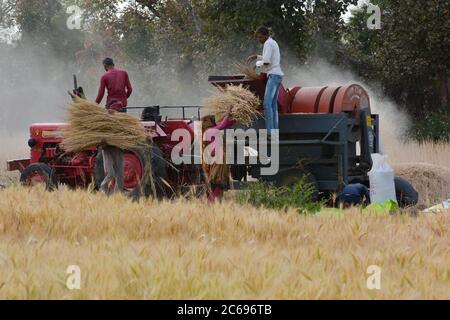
[[98, 174], [406, 195], [288, 177], [142, 188], [159, 173], [39, 173], [238, 172]]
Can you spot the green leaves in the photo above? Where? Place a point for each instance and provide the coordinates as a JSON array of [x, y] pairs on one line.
[[434, 126], [299, 196], [187, 40], [409, 55]]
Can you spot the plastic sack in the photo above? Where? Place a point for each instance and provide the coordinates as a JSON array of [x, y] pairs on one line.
[[389, 206], [382, 180]]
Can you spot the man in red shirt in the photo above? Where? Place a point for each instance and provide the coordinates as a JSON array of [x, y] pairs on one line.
[[119, 88], [118, 84]]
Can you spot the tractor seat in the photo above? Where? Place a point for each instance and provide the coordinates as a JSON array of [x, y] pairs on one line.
[[151, 114]]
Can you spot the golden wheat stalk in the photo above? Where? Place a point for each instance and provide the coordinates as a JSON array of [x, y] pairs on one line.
[[237, 102], [90, 126], [249, 72]]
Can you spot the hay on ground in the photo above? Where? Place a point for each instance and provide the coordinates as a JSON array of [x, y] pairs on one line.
[[90, 125], [431, 181], [236, 101]]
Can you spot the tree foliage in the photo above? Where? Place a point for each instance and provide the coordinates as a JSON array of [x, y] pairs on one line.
[[188, 39], [410, 55]]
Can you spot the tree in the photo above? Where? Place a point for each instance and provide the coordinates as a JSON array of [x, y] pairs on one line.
[[42, 24], [410, 54], [6, 9]]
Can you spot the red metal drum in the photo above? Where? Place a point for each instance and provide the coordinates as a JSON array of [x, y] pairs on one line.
[[326, 104], [350, 98], [307, 100]]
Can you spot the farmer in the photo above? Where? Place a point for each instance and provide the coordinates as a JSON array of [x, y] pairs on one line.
[[217, 174], [118, 84], [119, 88], [354, 195], [270, 60]]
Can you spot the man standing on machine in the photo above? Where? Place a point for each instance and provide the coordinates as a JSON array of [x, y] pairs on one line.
[[119, 88], [118, 84], [271, 61]]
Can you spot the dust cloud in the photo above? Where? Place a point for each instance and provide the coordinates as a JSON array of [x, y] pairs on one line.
[[394, 123]]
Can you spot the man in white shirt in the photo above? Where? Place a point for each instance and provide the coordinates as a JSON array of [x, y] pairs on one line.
[[270, 60]]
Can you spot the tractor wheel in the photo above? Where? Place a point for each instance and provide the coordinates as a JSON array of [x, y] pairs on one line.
[[99, 170], [159, 172], [135, 166], [238, 172], [407, 196], [288, 177], [39, 173]]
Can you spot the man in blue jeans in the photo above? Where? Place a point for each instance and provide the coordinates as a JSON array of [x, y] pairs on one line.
[[270, 60]]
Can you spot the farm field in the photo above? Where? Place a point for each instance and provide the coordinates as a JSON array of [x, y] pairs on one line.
[[335, 81], [186, 250]]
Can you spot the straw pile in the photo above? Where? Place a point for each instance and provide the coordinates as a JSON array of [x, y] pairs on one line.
[[91, 126], [248, 71], [237, 102], [431, 181]]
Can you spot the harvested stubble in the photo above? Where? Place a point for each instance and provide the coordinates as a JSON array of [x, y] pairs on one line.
[[248, 71], [236, 101], [90, 126]]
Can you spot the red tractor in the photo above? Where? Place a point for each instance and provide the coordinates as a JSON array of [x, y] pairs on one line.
[[51, 165]]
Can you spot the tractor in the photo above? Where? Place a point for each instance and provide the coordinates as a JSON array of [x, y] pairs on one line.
[[327, 135], [49, 164]]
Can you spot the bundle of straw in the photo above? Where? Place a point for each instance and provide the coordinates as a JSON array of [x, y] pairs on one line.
[[236, 101], [90, 125], [248, 71], [215, 173]]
